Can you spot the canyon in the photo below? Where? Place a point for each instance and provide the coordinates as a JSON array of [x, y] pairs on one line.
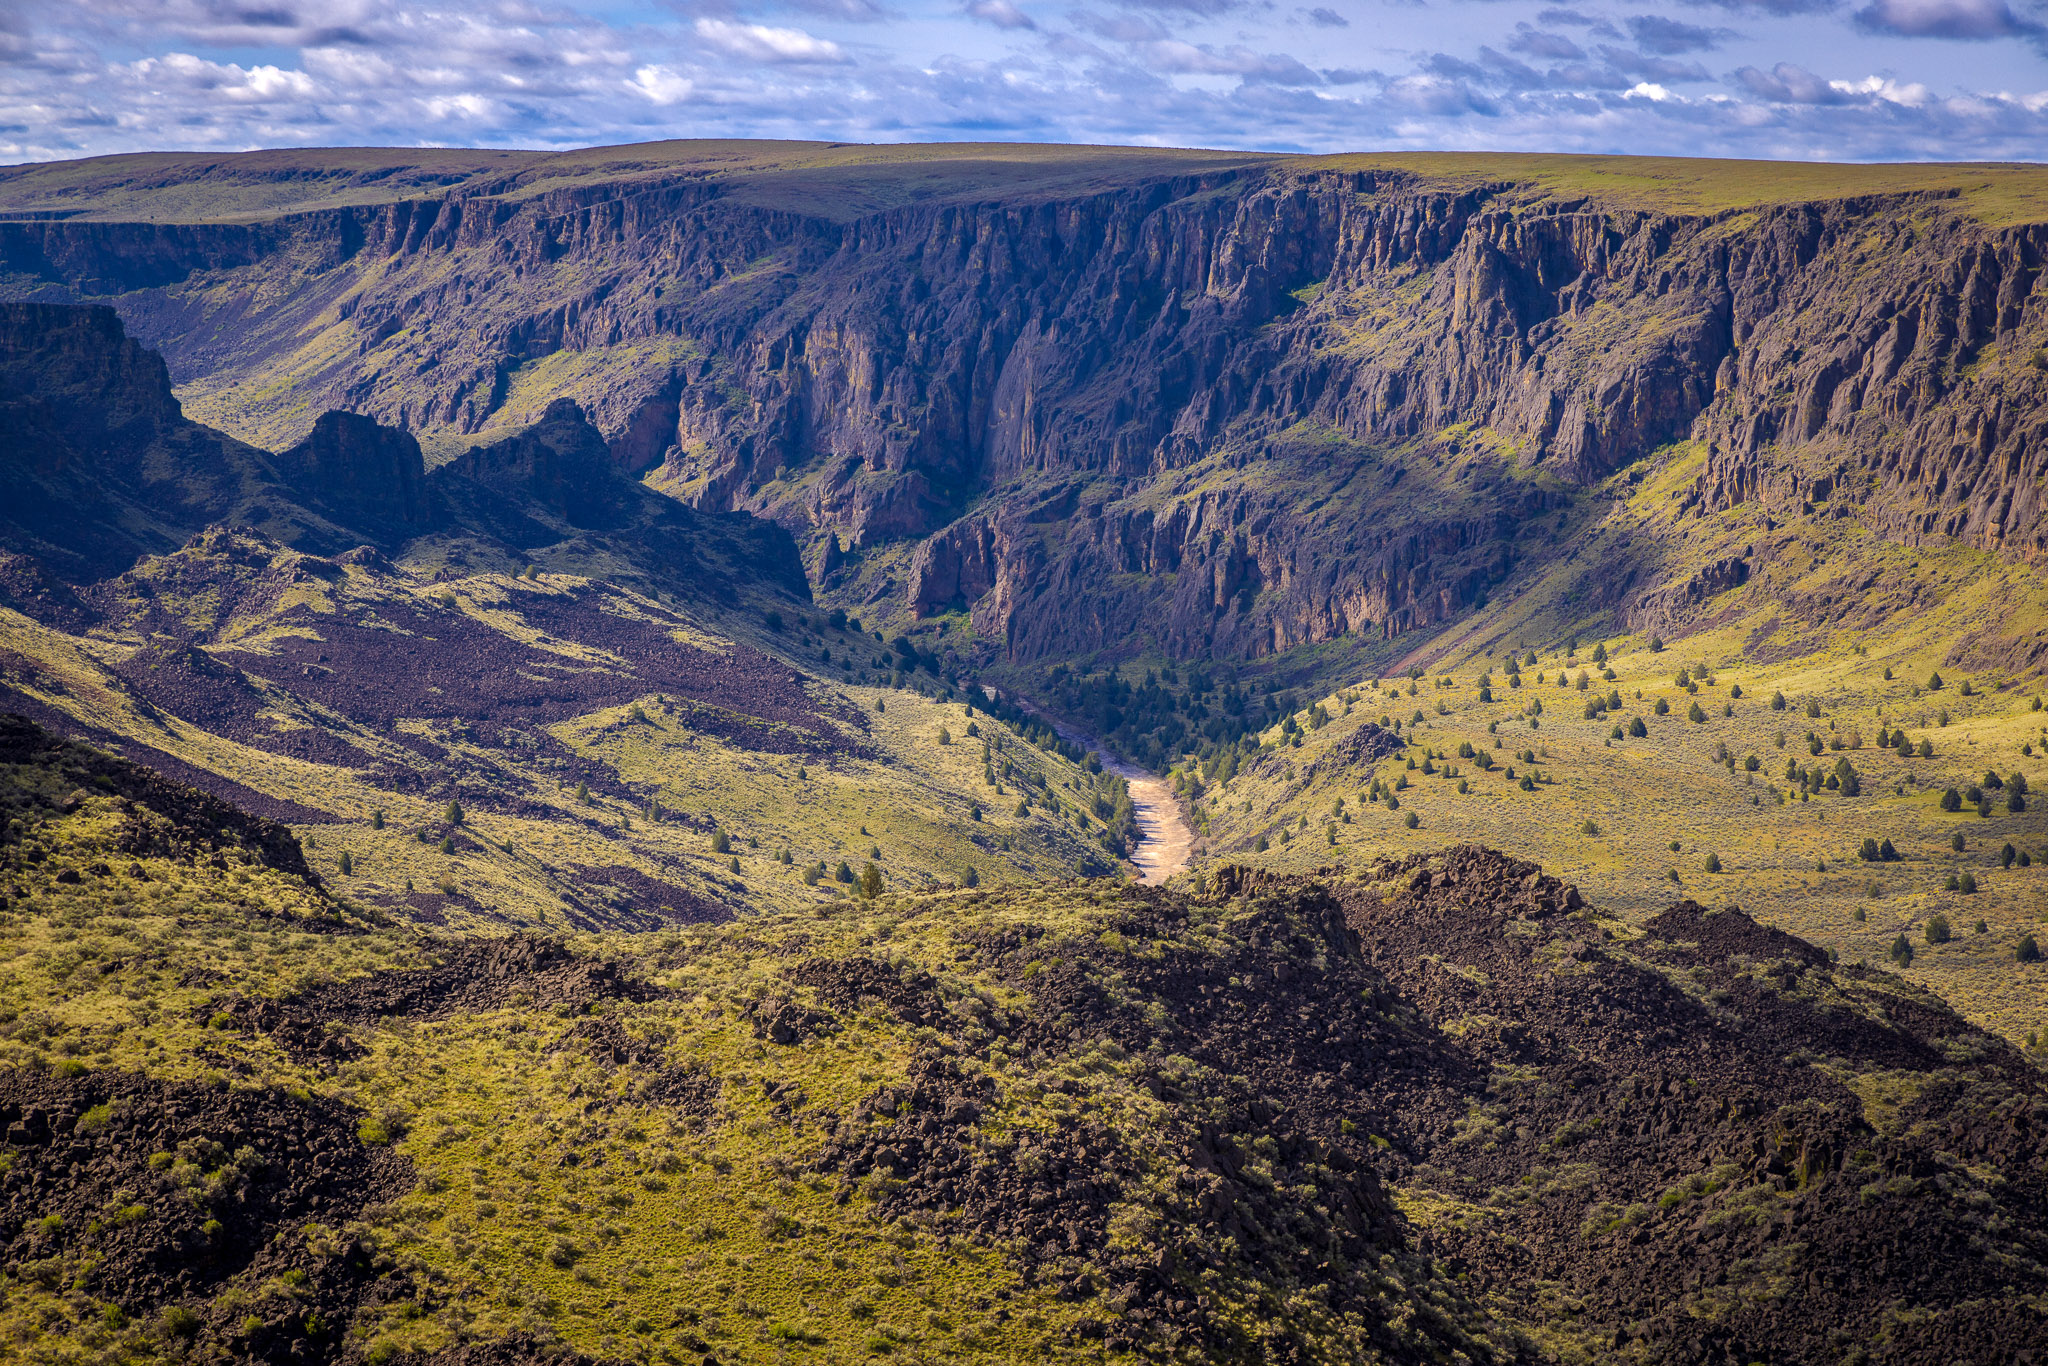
[[1203, 405]]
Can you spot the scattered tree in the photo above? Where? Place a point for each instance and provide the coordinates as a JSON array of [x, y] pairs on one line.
[[1902, 952], [1937, 931]]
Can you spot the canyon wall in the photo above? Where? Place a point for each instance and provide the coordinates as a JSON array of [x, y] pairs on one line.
[[1230, 411]]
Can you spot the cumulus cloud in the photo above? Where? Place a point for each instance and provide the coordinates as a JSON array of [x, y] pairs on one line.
[[1944, 19], [762, 43], [95, 76], [661, 84], [1787, 83], [1001, 13], [1536, 42], [1668, 37], [1268, 68]]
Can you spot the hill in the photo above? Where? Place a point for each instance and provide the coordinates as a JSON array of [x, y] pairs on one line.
[[1320, 1118]]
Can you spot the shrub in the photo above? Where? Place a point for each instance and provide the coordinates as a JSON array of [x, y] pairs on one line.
[[1413, 821], [1846, 778], [1713, 864], [1967, 883], [945, 736], [1937, 931]]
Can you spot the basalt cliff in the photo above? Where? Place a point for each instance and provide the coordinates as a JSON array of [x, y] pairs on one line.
[[1225, 406]]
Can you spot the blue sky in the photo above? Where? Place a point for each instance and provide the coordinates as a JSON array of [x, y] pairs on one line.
[[1821, 79]]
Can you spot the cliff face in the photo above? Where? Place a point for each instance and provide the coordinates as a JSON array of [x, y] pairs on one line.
[[1206, 374], [102, 469], [100, 464]]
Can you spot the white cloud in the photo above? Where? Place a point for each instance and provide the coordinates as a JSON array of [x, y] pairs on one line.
[[661, 85], [95, 76], [761, 43], [1886, 89], [1001, 13]]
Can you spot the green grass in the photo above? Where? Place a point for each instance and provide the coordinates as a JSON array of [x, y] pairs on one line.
[[912, 801], [847, 180], [1793, 862]]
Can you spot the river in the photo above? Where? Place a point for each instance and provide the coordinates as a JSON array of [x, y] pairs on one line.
[[1165, 841]]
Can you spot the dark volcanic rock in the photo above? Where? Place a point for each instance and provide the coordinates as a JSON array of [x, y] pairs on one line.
[[468, 975], [174, 1188], [367, 475], [946, 370], [165, 818]]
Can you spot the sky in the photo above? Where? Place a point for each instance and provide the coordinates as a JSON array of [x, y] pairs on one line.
[[1850, 80]]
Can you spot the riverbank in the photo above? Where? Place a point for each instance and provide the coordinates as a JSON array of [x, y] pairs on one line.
[[1166, 842]]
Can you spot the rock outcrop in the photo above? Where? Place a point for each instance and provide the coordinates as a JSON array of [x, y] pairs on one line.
[[369, 475], [1225, 372]]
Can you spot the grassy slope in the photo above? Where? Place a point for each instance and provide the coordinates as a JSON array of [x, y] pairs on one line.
[[843, 180], [627, 1214], [913, 796], [1798, 859]]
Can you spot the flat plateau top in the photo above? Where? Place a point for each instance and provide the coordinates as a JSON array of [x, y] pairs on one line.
[[844, 181]]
